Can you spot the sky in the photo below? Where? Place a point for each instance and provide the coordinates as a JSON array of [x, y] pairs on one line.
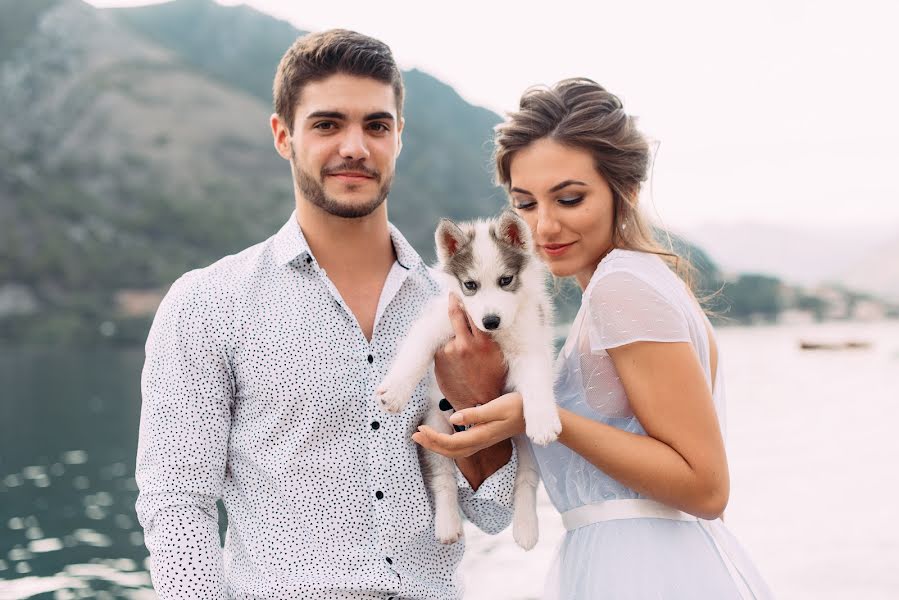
[[771, 112]]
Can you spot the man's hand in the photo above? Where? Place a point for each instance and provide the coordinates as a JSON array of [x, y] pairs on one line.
[[470, 368]]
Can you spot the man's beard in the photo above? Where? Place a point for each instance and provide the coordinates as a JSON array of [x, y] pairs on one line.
[[313, 190]]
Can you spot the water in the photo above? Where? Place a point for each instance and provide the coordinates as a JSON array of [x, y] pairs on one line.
[[811, 445]]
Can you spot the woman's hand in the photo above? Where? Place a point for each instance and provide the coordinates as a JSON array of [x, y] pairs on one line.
[[470, 368], [498, 420]]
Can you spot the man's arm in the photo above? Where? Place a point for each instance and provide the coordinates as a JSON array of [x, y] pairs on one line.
[[471, 370], [182, 449]]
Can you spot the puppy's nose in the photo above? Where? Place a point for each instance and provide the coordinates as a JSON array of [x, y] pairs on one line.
[[491, 322]]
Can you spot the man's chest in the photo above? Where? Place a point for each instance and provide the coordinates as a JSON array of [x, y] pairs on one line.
[[307, 358]]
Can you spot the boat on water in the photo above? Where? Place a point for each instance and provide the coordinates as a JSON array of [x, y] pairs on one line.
[[847, 345]]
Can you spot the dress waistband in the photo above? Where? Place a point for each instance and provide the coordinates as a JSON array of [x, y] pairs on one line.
[[639, 508], [627, 508]]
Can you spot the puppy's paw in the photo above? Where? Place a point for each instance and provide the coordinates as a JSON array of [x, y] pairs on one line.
[[393, 395], [448, 526], [524, 529], [543, 426]]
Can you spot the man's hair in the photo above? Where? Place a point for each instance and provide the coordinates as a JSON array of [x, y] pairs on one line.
[[317, 56]]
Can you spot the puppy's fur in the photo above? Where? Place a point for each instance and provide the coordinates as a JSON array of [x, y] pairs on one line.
[[491, 265]]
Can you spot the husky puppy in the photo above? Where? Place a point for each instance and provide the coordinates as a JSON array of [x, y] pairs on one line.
[[502, 285]]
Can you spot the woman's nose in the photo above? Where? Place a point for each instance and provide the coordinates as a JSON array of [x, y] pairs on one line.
[[547, 224]]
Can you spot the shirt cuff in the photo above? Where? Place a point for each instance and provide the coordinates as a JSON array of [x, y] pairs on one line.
[[496, 488]]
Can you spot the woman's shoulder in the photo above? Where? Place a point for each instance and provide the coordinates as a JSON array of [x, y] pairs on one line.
[[620, 265], [634, 296]]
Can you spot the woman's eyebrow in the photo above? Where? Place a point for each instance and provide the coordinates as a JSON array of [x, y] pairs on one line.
[[554, 188]]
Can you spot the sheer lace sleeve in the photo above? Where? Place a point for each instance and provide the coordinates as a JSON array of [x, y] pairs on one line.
[[625, 308]]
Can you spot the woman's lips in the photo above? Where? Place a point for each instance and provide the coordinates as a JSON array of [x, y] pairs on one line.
[[556, 249]]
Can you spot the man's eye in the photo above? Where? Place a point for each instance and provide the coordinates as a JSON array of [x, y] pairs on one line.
[[324, 125], [471, 285], [505, 280], [379, 127]]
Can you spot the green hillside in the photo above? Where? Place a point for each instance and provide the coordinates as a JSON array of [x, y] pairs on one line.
[[135, 146]]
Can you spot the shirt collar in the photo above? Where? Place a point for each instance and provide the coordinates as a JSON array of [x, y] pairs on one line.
[[290, 243]]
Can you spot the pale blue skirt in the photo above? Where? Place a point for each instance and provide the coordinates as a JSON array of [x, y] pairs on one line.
[[613, 550]]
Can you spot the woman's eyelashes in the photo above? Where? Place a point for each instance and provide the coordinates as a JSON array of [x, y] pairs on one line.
[[524, 205], [529, 204]]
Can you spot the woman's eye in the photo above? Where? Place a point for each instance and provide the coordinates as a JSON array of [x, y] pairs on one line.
[[570, 201], [471, 286], [505, 280], [523, 205]]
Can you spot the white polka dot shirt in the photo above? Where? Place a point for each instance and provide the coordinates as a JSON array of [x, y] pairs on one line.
[[258, 388]]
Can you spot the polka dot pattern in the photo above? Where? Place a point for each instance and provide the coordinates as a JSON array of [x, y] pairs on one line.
[[258, 388]]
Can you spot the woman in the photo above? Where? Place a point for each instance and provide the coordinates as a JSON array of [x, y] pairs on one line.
[[639, 472]]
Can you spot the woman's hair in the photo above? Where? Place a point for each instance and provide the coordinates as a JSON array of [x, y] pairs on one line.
[[580, 113]]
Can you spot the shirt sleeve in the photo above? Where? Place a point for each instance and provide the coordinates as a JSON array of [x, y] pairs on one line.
[[490, 506], [623, 308], [182, 448]]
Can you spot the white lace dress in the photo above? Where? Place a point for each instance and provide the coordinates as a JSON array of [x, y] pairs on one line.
[[620, 544]]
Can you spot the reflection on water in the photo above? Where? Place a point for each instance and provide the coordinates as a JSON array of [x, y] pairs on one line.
[[809, 433], [68, 433]]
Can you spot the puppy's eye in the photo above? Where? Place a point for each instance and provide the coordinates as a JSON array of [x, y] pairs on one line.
[[471, 285], [505, 280]]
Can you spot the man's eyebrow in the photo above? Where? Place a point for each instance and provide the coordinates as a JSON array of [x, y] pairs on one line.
[[380, 116], [326, 114], [334, 114], [554, 188]]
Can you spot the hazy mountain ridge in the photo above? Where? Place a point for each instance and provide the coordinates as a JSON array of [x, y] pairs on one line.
[[801, 255], [877, 271], [131, 155], [125, 163]]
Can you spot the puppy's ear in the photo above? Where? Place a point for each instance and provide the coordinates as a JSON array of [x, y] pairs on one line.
[[512, 230], [449, 239]]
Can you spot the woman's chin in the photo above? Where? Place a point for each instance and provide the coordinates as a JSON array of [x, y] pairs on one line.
[[559, 268]]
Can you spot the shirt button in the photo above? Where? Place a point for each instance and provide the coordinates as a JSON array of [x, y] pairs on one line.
[[379, 495], [375, 425], [371, 359], [389, 560]]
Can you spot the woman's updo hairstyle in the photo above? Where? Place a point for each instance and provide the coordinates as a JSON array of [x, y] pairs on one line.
[[580, 113]]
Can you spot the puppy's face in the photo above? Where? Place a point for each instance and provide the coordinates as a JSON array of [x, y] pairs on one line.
[[488, 260]]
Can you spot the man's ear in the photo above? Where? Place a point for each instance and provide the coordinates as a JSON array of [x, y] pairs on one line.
[[281, 136], [401, 124]]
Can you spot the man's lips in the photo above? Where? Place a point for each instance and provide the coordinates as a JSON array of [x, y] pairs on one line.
[[350, 176], [556, 249]]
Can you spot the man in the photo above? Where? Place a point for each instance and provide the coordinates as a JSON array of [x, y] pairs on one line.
[[261, 369]]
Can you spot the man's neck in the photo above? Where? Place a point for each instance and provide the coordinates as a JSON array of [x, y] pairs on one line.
[[347, 246]]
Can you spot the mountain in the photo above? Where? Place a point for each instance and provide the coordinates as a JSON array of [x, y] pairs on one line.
[[877, 272], [444, 138], [135, 146], [796, 254]]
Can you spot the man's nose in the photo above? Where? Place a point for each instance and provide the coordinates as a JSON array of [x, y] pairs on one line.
[[352, 145]]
